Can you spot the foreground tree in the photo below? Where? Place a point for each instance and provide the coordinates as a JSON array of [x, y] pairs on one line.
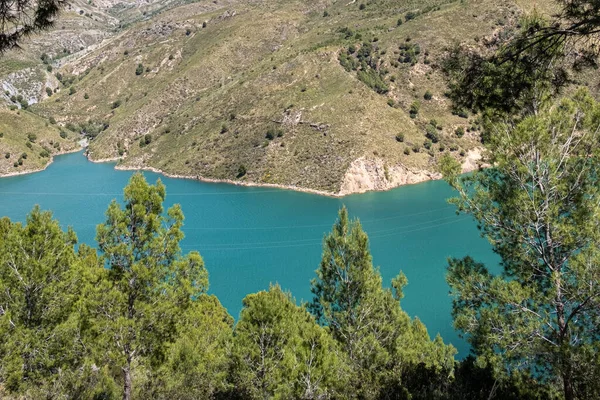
[[280, 352], [146, 286], [381, 341], [41, 278], [19, 19], [513, 73], [197, 362], [540, 208]]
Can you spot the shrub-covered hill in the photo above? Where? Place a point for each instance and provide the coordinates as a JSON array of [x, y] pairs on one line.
[[326, 95]]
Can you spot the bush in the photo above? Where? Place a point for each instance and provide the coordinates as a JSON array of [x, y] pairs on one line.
[[224, 128], [428, 95], [400, 137], [462, 153], [32, 137], [427, 144], [63, 134], [406, 150], [72, 91], [29, 145], [49, 68], [7, 155], [399, 22], [410, 16], [241, 171], [139, 70], [116, 104], [432, 134], [272, 133], [48, 91], [460, 132], [416, 148], [1, 134], [362, 6], [86, 96], [442, 147], [325, 13], [391, 102], [24, 156], [414, 109], [44, 154]]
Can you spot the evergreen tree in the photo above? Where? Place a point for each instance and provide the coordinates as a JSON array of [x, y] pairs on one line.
[[41, 277], [381, 341], [540, 208], [280, 352], [197, 362], [146, 286]]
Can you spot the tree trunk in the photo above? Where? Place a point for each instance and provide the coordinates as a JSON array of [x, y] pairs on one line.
[[127, 382], [568, 386]]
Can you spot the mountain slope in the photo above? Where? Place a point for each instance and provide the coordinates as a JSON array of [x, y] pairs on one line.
[[331, 96]]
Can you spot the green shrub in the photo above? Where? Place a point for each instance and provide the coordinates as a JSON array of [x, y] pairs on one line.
[[139, 70], [1, 134], [48, 91], [32, 137], [462, 153], [362, 6], [7, 155], [241, 171], [24, 156], [460, 132], [400, 137], [432, 134], [406, 150], [416, 148], [410, 16], [49, 68], [116, 104], [44, 154], [391, 102], [272, 133], [414, 109], [224, 128], [427, 144], [428, 95], [72, 91], [86, 96], [399, 22], [442, 147]]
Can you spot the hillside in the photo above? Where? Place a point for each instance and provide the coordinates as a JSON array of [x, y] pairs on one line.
[[337, 97]]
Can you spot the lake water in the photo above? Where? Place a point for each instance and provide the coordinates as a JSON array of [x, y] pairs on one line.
[[250, 237]]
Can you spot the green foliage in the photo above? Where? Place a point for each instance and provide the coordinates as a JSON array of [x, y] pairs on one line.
[[379, 338], [40, 276], [272, 133], [280, 352], [400, 137], [428, 95], [32, 137], [414, 109], [459, 132], [72, 91], [539, 208], [139, 70], [431, 133], [196, 363], [48, 91], [147, 283], [116, 104], [241, 171]]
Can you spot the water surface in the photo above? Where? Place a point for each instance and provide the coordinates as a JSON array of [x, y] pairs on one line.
[[251, 237]]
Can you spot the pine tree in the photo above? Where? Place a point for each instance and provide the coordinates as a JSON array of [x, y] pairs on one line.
[[146, 285], [41, 278], [280, 352], [380, 339], [540, 208]]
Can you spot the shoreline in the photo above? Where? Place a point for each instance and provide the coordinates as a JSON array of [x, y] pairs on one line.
[[200, 178], [33, 171]]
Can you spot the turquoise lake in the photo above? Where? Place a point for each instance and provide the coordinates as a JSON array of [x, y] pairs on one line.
[[251, 237]]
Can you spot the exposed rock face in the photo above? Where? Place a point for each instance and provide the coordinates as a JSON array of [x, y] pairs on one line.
[[365, 175]]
